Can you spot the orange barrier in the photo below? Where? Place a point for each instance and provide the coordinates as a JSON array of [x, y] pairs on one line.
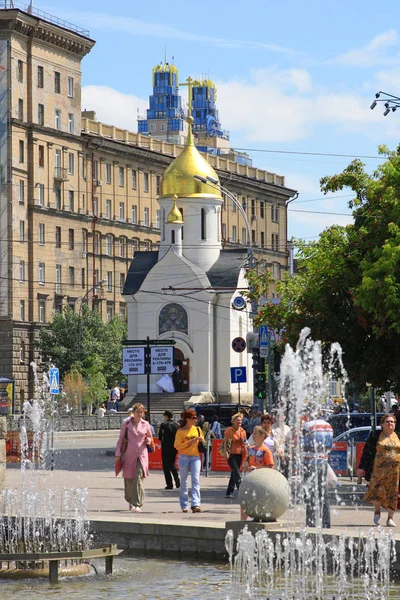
[[13, 446], [218, 463], [359, 451]]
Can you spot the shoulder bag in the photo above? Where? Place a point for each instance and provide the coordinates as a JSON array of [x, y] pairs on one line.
[[200, 445], [228, 446]]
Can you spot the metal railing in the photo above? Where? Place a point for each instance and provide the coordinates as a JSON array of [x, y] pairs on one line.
[[28, 8]]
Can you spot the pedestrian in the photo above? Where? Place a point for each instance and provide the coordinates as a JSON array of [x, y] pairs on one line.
[[234, 445], [115, 396], [245, 418], [254, 419], [187, 440], [270, 441], [166, 436], [101, 411], [216, 428], [177, 378], [138, 436], [258, 456], [317, 443], [208, 438], [380, 464]]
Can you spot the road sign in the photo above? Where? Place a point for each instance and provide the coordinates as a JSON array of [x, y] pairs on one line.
[[54, 377], [161, 359], [239, 344], [238, 375], [264, 336], [264, 352], [239, 303], [133, 362]]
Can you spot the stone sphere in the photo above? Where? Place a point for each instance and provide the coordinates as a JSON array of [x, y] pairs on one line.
[[264, 494]]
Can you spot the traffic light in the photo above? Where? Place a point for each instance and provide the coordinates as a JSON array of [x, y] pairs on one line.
[[260, 388], [258, 362], [277, 360]]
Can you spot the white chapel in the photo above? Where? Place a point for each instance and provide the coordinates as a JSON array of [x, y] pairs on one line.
[[185, 290]]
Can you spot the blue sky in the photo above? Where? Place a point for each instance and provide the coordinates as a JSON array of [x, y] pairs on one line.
[[296, 77]]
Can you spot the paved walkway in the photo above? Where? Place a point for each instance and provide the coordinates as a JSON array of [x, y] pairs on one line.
[[106, 501]]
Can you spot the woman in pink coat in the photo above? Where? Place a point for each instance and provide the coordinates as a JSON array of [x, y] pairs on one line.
[[136, 456]]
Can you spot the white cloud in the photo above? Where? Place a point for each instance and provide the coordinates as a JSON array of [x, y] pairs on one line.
[[388, 80], [113, 107], [374, 53], [111, 22]]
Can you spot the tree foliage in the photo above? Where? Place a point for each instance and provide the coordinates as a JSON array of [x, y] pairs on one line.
[[347, 288], [74, 339]]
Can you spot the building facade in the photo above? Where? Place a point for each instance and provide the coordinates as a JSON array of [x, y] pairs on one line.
[[78, 198]]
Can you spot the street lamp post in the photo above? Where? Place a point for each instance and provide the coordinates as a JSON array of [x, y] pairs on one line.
[[80, 318], [390, 102]]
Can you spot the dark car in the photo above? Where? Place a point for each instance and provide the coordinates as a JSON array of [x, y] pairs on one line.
[[345, 421], [224, 412]]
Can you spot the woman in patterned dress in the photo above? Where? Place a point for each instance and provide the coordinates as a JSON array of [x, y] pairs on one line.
[[380, 464]]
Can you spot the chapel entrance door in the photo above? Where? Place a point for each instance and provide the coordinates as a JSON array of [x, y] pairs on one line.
[[183, 363]]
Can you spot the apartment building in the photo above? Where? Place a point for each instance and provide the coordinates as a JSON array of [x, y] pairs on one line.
[[78, 197]]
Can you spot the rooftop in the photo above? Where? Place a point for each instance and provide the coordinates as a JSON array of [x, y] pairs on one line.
[[30, 10]]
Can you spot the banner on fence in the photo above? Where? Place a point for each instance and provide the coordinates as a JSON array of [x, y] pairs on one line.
[[359, 451], [338, 458], [218, 463]]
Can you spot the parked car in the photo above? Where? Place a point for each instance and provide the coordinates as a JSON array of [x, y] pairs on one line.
[[224, 412], [352, 437], [345, 421]]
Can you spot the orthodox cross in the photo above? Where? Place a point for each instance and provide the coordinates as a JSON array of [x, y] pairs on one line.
[[189, 84]]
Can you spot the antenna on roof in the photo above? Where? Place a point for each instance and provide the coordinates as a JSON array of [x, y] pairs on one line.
[[30, 7]]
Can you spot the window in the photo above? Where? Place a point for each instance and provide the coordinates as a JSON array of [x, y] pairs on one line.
[[21, 151], [135, 246], [158, 184], [96, 170], [58, 160], [134, 213], [20, 70], [173, 236], [22, 270], [57, 82], [41, 234], [22, 310], [40, 114], [108, 245], [234, 208], [134, 179], [41, 273], [109, 312], [244, 235], [70, 123], [42, 311], [253, 236], [122, 247], [158, 218], [122, 311], [152, 127], [57, 119], [58, 197], [21, 191], [71, 276], [262, 241], [145, 182], [58, 237], [234, 233], [40, 77], [277, 270], [109, 281], [83, 276], [244, 204], [163, 127], [58, 279], [146, 217], [108, 173], [41, 156], [96, 243], [71, 163], [20, 109], [203, 223], [70, 87], [108, 209], [121, 211], [84, 240], [253, 207], [121, 282], [22, 231], [121, 176], [261, 210], [71, 200], [96, 278], [275, 213], [224, 231], [95, 207], [275, 242], [71, 243]]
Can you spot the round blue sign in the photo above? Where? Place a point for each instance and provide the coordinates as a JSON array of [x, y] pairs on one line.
[[239, 303]]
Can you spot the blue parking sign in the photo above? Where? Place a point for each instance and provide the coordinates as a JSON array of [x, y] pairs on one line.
[[54, 378], [238, 374]]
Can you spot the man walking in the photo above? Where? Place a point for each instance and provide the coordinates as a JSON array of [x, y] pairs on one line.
[[166, 436], [317, 443]]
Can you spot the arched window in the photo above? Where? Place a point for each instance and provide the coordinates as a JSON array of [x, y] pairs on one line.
[[163, 224], [173, 236], [203, 224], [181, 209], [173, 317]]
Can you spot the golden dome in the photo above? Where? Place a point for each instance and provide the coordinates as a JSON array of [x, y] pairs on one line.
[[175, 216], [179, 176]]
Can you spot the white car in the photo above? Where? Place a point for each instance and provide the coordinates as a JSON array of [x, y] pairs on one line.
[[351, 437]]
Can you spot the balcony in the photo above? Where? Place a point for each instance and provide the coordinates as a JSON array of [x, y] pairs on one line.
[[60, 174], [59, 289]]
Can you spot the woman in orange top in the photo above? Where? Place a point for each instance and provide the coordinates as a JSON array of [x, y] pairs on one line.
[[234, 446], [187, 439]]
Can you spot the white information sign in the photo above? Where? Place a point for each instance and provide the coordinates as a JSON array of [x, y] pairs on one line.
[[161, 359], [133, 362]]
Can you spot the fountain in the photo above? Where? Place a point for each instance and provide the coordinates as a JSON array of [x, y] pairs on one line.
[[41, 528], [293, 561]]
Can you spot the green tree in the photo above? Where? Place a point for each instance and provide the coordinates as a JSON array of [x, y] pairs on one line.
[[73, 339], [96, 392], [347, 288]]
